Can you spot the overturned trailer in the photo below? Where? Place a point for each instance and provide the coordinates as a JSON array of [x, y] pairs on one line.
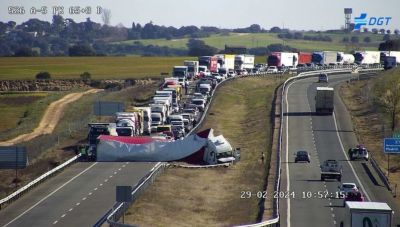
[[200, 148]]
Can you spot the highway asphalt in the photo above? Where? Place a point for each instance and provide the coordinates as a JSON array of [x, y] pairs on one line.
[[305, 198], [78, 196]]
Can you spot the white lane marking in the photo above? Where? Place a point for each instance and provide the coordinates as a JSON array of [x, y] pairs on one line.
[[351, 166], [70, 209], [287, 157], [333, 215], [334, 222], [119, 169], [90, 193], [101, 184], [77, 204], [40, 201], [62, 216], [110, 176], [115, 173], [95, 189], [330, 204], [55, 222], [105, 180], [84, 198], [123, 166]]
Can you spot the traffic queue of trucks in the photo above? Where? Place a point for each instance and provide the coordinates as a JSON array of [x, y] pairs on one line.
[[277, 61]]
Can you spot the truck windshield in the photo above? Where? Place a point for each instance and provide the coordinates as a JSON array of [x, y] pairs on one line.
[[179, 73], [191, 69], [358, 57], [197, 102], [124, 131], [203, 62], [155, 119], [273, 60]]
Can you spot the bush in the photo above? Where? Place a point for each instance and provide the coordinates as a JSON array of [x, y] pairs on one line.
[[86, 76], [43, 76]]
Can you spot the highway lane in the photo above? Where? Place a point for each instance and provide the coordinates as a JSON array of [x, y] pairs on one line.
[[319, 135], [78, 196]]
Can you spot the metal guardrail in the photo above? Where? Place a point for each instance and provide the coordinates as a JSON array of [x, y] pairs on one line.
[[33, 183], [118, 210]]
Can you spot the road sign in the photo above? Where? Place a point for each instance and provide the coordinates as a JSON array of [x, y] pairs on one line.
[[391, 145], [104, 108], [124, 194], [13, 157]]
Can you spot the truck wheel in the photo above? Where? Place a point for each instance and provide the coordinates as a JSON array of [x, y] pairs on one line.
[[322, 178], [339, 178]]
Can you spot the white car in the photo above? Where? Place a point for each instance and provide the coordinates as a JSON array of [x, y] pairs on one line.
[[272, 69], [347, 187]]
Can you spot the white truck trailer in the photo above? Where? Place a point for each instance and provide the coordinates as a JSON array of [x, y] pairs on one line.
[[244, 61], [367, 214], [324, 100], [367, 57], [279, 59]]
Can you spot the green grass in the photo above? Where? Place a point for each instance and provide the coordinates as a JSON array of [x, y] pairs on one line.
[[265, 39], [211, 197], [12, 68], [21, 112]]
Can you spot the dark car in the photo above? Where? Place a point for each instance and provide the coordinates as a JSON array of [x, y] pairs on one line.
[[302, 156], [356, 196]]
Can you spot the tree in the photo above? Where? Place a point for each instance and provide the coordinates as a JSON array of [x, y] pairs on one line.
[[81, 50], [255, 28], [26, 52], [386, 37], [298, 35], [354, 39], [367, 39], [43, 76], [390, 45], [275, 30], [85, 76], [199, 48], [387, 91], [106, 16]]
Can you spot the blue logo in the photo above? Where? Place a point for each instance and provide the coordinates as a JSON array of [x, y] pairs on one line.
[[363, 20]]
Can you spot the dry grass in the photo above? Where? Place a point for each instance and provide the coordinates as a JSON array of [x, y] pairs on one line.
[[47, 151], [211, 197], [368, 124]]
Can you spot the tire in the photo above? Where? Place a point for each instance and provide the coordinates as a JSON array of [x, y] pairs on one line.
[[339, 178], [322, 178]]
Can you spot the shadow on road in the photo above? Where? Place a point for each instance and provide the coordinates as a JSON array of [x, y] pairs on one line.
[[299, 114], [330, 130], [370, 175]]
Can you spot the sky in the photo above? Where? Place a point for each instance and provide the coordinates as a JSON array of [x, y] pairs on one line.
[[292, 14]]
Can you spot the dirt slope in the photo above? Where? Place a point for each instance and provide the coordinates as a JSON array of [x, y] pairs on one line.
[[50, 118]]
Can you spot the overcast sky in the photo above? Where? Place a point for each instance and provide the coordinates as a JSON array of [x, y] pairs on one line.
[[293, 14]]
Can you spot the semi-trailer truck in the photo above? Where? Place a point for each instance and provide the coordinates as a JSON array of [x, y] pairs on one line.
[[193, 68], [324, 57], [226, 61], [324, 100], [367, 57], [343, 58], [304, 58], [280, 59], [244, 61], [367, 214], [210, 61]]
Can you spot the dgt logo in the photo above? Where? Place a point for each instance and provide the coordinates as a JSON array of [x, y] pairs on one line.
[[363, 20]]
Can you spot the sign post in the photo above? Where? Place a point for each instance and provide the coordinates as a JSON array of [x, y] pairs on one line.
[[124, 195], [391, 146]]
